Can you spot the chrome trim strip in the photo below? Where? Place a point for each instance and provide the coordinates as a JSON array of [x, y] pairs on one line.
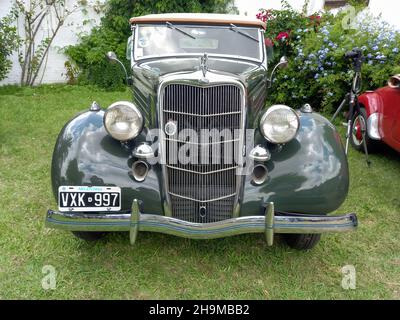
[[202, 143], [201, 173], [203, 115], [202, 201], [268, 224]]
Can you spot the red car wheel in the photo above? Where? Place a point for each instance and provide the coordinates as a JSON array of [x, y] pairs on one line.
[[359, 124]]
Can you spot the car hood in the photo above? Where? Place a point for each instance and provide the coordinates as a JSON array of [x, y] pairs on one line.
[[167, 66]]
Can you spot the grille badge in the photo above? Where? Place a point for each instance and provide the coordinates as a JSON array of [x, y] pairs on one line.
[[170, 128], [202, 211]]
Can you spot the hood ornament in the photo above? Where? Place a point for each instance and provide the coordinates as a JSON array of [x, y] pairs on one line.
[[204, 66]]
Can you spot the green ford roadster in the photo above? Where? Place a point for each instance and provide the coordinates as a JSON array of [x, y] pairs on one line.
[[197, 153]]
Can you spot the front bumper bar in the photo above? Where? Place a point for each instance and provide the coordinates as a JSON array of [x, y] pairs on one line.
[[269, 224]]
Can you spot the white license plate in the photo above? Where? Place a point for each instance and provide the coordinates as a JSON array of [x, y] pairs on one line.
[[88, 199]]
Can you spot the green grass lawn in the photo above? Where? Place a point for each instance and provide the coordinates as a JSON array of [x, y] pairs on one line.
[[161, 266]]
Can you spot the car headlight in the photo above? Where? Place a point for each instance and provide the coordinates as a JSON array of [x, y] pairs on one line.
[[279, 124], [123, 120]]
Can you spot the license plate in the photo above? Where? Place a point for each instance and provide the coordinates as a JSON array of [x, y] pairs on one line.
[[83, 198]]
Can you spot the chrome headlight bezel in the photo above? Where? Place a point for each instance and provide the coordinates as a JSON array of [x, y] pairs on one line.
[[123, 107], [295, 128]]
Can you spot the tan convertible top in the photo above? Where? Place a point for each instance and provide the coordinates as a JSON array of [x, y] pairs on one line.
[[201, 18]]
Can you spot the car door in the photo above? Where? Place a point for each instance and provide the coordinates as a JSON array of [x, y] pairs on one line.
[[391, 116]]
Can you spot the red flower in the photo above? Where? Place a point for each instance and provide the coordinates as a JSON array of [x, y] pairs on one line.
[[268, 42], [264, 15], [317, 18], [282, 36]]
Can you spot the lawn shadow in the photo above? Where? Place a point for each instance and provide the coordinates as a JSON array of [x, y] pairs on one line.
[[388, 153], [250, 249]]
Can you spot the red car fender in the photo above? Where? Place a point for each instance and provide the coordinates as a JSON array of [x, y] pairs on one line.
[[373, 105], [372, 102]]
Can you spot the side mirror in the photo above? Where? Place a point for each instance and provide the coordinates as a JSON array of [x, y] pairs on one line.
[[394, 82], [129, 48], [112, 58], [283, 63]]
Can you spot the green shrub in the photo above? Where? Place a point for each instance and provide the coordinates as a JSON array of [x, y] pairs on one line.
[[282, 25], [114, 31], [318, 72], [8, 43]]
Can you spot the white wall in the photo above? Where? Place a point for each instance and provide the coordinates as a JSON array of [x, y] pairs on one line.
[[389, 9], [251, 7], [66, 36]]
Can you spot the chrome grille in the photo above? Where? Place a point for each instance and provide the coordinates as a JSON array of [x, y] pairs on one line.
[[204, 190]]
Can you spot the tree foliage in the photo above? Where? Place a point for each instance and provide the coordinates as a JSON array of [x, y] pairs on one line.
[[8, 43], [114, 31], [35, 43]]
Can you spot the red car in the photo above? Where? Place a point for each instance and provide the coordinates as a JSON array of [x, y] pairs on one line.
[[380, 110]]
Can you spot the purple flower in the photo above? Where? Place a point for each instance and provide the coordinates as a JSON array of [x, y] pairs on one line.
[[395, 50]]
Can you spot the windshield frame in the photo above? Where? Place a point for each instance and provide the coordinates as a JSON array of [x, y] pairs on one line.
[[243, 28]]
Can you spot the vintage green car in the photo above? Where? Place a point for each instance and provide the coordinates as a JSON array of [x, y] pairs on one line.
[[197, 153]]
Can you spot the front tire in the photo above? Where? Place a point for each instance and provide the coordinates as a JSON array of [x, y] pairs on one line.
[[302, 241], [359, 122], [89, 236]]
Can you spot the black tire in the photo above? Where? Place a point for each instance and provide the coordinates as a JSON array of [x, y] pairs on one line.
[[89, 235], [302, 241], [356, 135]]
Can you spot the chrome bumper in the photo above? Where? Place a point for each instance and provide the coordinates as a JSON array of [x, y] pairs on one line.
[[269, 224]]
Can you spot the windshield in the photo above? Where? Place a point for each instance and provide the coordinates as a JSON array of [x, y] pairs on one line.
[[166, 40]]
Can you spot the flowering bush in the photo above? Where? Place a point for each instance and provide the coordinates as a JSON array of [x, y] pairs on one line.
[[318, 72], [285, 28]]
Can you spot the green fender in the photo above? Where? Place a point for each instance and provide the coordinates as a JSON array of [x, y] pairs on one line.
[[85, 155], [309, 175]]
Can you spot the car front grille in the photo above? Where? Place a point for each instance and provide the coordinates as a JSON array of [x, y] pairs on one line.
[[205, 189]]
